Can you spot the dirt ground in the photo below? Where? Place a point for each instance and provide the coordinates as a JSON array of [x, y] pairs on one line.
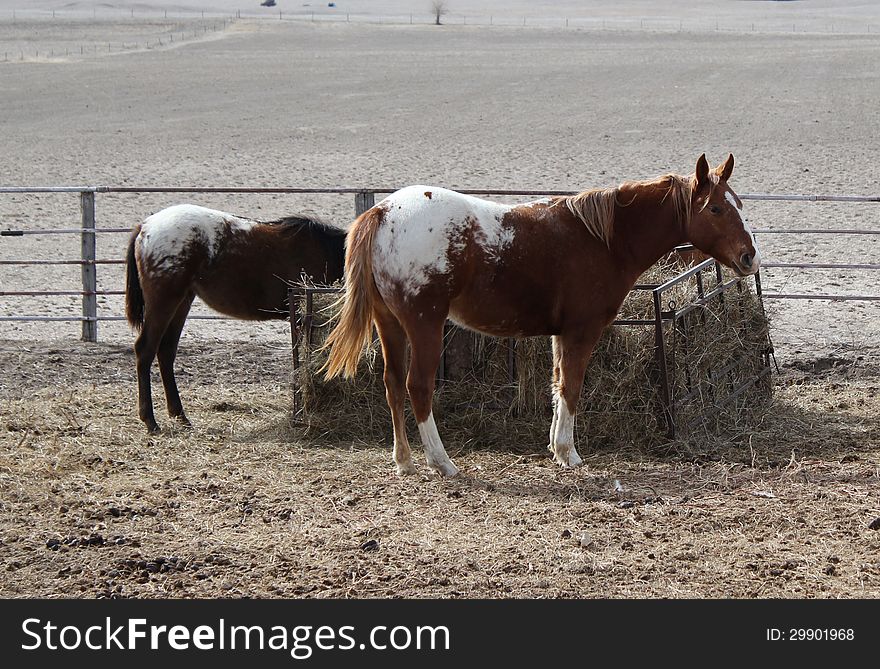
[[243, 506], [246, 504]]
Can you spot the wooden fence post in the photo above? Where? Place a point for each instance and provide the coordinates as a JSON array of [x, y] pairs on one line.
[[363, 201], [89, 276]]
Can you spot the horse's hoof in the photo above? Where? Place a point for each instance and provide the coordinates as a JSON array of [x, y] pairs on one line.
[[153, 429], [183, 421], [570, 460], [445, 469], [406, 469]]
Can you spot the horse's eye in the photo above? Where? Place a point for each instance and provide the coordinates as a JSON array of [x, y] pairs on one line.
[[715, 209]]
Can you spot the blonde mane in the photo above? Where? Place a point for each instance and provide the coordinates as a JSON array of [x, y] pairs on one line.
[[595, 208]]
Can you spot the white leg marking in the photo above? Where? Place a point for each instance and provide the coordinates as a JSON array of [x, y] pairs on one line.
[[435, 454], [564, 451], [554, 402]]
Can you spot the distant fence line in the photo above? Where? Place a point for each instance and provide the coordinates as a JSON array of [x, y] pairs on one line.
[[798, 24], [364, 198], [166, 38]]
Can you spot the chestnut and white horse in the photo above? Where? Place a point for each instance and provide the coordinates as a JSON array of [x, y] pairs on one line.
[[559, 267]]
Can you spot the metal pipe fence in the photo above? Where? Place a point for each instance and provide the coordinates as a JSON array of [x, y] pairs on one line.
[[364, 198]]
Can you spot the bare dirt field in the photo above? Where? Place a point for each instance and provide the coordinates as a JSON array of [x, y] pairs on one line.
[[248, 504], [242, 506]]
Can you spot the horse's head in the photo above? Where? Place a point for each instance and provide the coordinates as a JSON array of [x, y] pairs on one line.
[[717, 226]]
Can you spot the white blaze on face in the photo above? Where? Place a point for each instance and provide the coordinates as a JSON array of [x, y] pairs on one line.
[[168, 233], [424, 225], [756, 262]]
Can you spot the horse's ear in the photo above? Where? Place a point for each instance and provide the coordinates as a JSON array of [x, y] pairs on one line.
[[702, 172], [726, 169]]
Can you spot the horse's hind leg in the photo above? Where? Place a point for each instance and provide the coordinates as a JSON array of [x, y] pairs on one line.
[[426, 341], [145, 351], [393, 340], [167, 355], [158, 312], [145, 347]]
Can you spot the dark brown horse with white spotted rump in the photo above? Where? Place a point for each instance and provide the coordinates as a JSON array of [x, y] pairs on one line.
[[237, 266]]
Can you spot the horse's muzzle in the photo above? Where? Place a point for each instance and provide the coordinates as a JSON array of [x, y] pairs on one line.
[[747, 264]]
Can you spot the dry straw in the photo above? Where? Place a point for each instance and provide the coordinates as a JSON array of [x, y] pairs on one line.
[[480, 403]]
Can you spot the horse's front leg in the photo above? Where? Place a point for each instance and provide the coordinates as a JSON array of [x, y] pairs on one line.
[[554, 390], [573, 352]]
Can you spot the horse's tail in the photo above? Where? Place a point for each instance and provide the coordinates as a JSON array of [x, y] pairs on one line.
[[354, 330], [134, 294]]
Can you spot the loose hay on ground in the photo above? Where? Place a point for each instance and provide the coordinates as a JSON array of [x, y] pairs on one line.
[[225, 510]]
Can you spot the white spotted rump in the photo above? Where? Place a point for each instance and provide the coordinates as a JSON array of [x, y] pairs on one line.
[[167, 235], [424, 225]]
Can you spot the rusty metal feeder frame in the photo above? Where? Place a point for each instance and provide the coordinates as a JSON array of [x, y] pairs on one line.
[[666, 360], [303, 322]]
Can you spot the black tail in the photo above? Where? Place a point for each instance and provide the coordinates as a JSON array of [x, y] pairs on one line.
[[134, 295]]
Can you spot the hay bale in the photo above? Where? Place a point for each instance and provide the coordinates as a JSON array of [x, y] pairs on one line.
[[479, 402]]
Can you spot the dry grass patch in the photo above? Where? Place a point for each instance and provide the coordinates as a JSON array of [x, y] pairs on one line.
[[94, 507]]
